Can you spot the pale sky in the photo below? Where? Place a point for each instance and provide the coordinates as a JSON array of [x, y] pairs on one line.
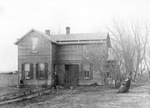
[[18, 16]]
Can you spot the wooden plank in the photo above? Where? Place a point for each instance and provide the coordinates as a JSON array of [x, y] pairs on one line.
[[28, 96]]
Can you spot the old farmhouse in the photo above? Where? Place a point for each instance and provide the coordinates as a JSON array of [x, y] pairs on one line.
[[41, 54]]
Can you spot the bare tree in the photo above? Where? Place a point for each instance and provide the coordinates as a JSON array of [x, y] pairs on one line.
[[130, 45], [56, 30], [147, 60], [97, 55], [94, 54]]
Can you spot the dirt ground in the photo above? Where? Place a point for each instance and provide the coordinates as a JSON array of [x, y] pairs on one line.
[[86, 97]]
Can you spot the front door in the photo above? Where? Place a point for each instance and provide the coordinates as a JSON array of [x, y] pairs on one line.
[[71, 74]]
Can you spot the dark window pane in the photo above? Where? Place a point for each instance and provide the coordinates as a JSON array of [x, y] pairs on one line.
[[42, 70]]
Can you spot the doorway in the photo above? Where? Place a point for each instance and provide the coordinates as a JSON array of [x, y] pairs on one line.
[[71, 74]]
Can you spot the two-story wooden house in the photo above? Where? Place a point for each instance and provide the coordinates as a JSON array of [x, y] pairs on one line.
[[41, 54]]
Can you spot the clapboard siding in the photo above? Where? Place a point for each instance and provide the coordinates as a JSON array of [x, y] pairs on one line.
[[44, 55], [77, 52], [25, 50], [25, 47], [70, 52]]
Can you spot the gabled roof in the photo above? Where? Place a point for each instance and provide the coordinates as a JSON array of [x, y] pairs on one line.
[[45, 35], [39, 33], [70, 38]]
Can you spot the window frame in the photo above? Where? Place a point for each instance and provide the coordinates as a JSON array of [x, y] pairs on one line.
[[28, 72], [87, 73], [86, 51], [35, 45], [45, 71]]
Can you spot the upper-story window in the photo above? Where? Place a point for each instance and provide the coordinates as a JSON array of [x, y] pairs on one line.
[[34, 45], [85, 51]]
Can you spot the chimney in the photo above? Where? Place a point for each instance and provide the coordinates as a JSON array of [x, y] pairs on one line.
[[47, 32], [67, 30]]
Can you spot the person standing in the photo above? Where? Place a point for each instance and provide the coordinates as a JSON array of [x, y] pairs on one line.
[[55, 80]]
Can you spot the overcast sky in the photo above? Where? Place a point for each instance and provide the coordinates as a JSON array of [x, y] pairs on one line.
[[18, 16]]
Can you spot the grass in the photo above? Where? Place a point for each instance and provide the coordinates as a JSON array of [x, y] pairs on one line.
[[8, 80], [8, 83]]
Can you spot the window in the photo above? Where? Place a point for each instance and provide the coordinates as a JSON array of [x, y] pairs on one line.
[[67, 67], [42, 70], [87, 74], [28, 71], [86, 70], [34, 45], [85, 51]]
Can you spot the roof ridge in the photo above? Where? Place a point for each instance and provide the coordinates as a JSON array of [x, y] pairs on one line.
[[42, 33], [79, 33]]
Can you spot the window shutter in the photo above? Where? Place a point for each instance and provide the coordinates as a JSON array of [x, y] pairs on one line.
[[31, 71], [82, 72], [46, 70], [37, 71], [22, 71], [91, 72]]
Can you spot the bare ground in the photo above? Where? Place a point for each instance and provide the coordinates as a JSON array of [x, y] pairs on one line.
[[89, 97]]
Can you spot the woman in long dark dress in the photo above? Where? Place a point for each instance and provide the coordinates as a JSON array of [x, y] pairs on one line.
[[128, 83], [125, 86], [55, 80]]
